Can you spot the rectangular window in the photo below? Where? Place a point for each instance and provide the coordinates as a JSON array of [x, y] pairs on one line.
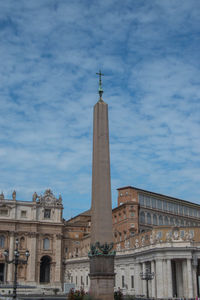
[[132, 281], [191, 212], [147, 200], [159, 202], [176, 208], [82, 283], [141, 199], [165, 205], [23, 213], [195, 212], [76, 280], [46, 244], [171, 207], [180, 209], [47, 213], [123, 282], [153, 201], [185, 210], [71, 279], [66, 250], [87, 280], [3, 212]]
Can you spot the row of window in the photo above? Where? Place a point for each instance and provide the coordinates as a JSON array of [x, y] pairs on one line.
[[164, 205], [21, 242], [46, 243], [154, 219], [4, 213], [123, 216]]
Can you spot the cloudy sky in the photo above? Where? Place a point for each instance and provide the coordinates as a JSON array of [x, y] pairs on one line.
[[50, 51]]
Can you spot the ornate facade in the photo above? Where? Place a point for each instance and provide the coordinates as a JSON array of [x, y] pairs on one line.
[[38, 225], [150, 230]]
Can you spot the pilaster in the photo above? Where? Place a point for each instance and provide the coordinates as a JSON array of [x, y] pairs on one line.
[[10, 267], [31, 266]]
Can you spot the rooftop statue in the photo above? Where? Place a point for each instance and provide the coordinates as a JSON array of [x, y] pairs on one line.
[[48, 199]]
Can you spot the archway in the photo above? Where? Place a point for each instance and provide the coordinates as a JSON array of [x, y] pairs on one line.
[[45, 264]]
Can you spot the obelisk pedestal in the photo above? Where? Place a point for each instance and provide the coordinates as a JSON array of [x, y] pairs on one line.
[[101, 254]]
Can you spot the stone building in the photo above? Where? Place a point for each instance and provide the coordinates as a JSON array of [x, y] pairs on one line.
[[150, 230], [171, 253], [38, 225]]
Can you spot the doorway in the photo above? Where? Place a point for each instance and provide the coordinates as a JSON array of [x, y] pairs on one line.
[[45, 265]]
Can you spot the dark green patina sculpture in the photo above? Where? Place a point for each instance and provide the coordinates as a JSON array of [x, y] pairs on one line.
[[101, 250]]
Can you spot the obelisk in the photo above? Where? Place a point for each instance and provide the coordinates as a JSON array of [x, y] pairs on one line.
[[101, 254]]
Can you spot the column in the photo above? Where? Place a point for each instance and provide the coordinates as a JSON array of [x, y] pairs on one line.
[[185, 279], [138, 281], [189, 275], [31, 266], [159, 278], [58, 264], [11, 253], [169, 279], [144, 290], [194, 276], [179, 275], [153, 282]]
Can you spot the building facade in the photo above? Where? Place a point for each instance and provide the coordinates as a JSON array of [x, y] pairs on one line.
[[151, 231], [38, 226], [171, 253]]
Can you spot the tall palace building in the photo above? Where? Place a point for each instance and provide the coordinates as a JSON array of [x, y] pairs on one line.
[[151, 231]]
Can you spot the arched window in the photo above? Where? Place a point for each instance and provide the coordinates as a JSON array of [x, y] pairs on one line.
[[166, 221], [160, 220], [46, 244], [148, 218], [2, 241], [45, 269], [142, 217]]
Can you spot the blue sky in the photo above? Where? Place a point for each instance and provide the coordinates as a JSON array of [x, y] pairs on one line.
[[50, 51]]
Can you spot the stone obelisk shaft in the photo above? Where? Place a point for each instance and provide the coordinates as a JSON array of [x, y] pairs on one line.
[[101, 230], [101, 254]]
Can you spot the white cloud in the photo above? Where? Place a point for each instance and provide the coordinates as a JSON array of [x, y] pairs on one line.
[[50, 52]]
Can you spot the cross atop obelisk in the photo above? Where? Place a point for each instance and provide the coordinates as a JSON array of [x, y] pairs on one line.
[[100, 85], [101, 254]]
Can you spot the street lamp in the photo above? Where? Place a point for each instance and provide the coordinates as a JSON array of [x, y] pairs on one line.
[[16, 260], [147, 275]]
